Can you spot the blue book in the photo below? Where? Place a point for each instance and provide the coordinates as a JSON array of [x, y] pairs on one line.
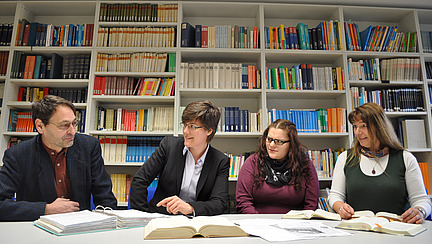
[[244, 71], [246, 120], [388, 38], [187, 35], [37, 67], [32, 34], [83, 119], [43, 67], [69, 41], [266, 38], [364, 37], [236, 115], [227, 119], [198, 35]]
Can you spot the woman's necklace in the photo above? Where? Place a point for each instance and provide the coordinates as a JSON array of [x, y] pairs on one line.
[[370, 154]]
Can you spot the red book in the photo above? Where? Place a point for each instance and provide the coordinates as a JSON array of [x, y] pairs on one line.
[[96, 86], [45, 91], [204, 36], [20, 94], [255, 38], [26, 35], [91, 27], [32, 66]]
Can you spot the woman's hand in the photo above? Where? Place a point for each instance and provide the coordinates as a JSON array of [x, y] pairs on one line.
[[413, 216], [344, 210], [174, 205]]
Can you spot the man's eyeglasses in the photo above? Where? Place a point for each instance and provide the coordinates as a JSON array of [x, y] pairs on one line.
[[190, 126], [65, 125], [278, 142]]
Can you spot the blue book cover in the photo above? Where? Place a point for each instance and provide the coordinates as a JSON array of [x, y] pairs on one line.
[[69, 41], [83, 119], [348, 38], [227, 118], [246, 120], [236, 123], [198, 35], [37, 67], [187, 35], [32, 34], [266, 38], [43, 67], [388, 38]]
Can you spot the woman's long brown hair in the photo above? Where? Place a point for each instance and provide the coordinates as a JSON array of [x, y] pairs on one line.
[[297, 156]]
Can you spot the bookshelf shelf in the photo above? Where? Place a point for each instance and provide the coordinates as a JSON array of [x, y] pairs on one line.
[[134, 99], [127, 164], [20, 134], [323, 135], [238, 134], [398, 114], [136, 74], [58, 50], [71, 83], [304, 94], [379, 84], [215, 93], [112, 50], [137, 24], [131, 133]]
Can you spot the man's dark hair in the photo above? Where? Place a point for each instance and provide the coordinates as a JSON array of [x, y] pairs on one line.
[[45, 108]]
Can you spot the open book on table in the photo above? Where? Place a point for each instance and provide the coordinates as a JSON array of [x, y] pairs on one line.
[[380, 224], [100, 219], [309, 214], [183, 227], [368, 213]]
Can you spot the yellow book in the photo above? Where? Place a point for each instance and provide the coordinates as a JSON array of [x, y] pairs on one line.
[[177, 227], [282, 37], [379, 224]]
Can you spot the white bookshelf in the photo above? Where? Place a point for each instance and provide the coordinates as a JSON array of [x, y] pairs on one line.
[[223, 13]]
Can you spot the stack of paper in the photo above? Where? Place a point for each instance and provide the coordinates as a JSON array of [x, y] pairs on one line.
[[132, 217], [76, 222]]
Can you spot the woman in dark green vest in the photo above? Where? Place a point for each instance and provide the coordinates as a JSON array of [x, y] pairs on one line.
[[377, 173]]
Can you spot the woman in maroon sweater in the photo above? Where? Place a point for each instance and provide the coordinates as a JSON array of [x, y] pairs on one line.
[[279, 176]]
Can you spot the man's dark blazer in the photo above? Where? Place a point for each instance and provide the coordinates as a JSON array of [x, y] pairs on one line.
[[28, 171], [168, 162]]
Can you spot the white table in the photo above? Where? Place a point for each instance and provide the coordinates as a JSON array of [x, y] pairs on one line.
[[26, 232]]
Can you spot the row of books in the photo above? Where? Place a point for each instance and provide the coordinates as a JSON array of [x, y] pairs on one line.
[[428, 67], [34, 94], [236, 162], [326, 36], [391, 100], [124, 149], [144, 119], [311, 120], [15, 140], [324, 160], [426, 37], [27, 66], [401, 69], [136, 37], [234, 119], [305, 77], [219, 36], [4, 56], [380, 39], [426, 169], [411, 133], [395, 69], [49, 35], [136, 62], [131, 86], [367, 69], [120, 186], [21, 121], [138, 12], [5, 34], [219, 76]]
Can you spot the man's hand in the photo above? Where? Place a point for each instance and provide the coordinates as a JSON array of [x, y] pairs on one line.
[[174, 205], [61, 205]]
